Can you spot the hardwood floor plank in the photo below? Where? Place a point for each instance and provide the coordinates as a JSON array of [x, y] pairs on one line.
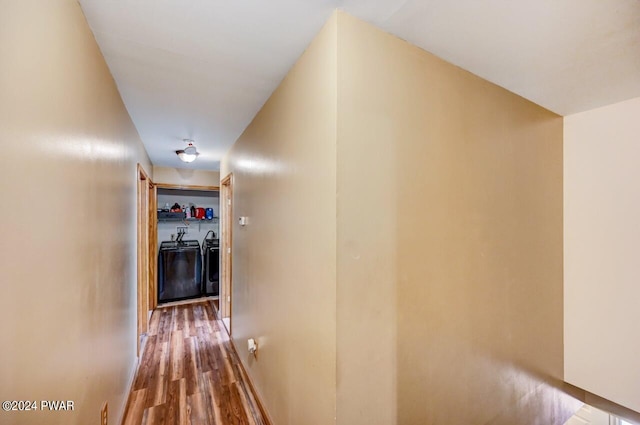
[[185, 322], [154, 415], [161, 377], [142, 377], [177, 356], [209, 317], [198, 316], [196, 410], [191, 365], [238, 407], [135, 409], [164, 328], [205, 350], [176, 402], [213, 402], [189, 373], [173, 324], [192, 321], [246, 400], [153, 323]]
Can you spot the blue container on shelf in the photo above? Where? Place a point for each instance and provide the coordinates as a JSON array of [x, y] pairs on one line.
[[208, 213]]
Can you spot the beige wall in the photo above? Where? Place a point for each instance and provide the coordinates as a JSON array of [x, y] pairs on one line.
[[367, 232], [442, 194], [68, 172], [187, 177], [602, 242], [449, 291], [284, 273]]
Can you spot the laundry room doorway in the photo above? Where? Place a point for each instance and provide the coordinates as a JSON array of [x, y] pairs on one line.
[[187, 249]]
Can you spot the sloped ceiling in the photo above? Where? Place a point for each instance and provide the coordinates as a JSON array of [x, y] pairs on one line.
[[201, 69]]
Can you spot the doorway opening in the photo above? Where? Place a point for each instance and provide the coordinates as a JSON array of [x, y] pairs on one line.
[[187, 243], [226, 204]]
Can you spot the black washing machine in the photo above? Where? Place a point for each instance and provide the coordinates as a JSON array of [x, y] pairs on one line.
[[179, 271], [211, 270]]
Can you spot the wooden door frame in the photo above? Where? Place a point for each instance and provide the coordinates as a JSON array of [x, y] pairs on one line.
[[143, 208], [187, 187], [153, 246], [226, 235]]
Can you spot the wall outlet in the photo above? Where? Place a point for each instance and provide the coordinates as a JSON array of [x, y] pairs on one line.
[[104, 417], [253, 346], [183, 230]]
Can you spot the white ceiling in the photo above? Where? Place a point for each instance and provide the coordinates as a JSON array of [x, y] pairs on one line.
[[201, 69]]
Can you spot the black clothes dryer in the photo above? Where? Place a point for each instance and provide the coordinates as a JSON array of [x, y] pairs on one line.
[[211, 278]]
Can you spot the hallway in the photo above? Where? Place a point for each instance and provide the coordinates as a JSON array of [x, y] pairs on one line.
[[189, 373]]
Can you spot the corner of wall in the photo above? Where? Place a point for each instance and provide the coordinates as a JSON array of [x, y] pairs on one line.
[[284, 168]]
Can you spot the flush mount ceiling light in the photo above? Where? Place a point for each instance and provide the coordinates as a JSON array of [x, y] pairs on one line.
[[189, 154]]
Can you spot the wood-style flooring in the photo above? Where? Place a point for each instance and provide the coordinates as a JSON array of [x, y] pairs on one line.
[[189, 373]]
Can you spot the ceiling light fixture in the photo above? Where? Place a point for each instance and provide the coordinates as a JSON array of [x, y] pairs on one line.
[[189, 154]]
